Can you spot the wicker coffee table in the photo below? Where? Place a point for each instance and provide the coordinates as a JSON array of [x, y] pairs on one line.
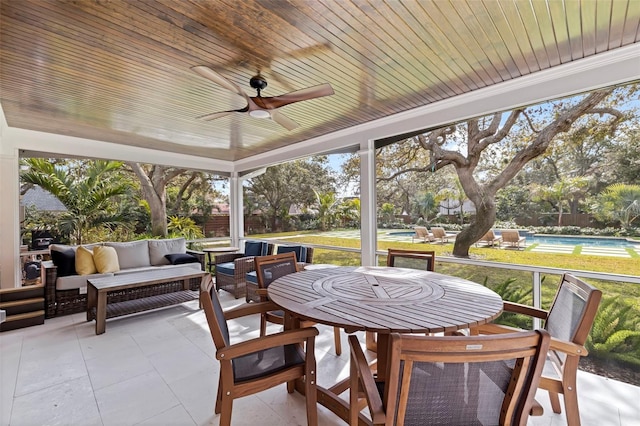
[[150, 290]]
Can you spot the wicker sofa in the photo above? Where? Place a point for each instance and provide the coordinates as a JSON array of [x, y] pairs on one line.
[[66, 290]]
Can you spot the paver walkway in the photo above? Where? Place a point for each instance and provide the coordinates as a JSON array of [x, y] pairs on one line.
[[536, 248]]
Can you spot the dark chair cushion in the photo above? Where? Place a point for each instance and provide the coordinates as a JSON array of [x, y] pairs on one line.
[[262, 363], [227, 268], [181, 258], [300, 251], [255, 248], [65, 260], [252, 277]]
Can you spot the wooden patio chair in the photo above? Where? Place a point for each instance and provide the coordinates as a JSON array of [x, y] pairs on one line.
[[441, 234], [270, 268], [453, 380], [568, 321], [262, 363], [490, 239], [413, 259], [302, 252], [513, 238], [422, 235]]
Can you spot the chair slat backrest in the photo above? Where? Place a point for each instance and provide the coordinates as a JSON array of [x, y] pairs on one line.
[[413, 259], [421, 231], [270, 268], [510, 235], [573, 310], [438, 232], [468, 380]]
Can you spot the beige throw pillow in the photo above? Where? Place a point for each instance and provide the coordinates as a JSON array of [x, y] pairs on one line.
[[84, 261], [106, 259]]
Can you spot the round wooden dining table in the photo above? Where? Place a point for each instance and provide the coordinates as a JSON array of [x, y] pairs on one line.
[[383, 300]]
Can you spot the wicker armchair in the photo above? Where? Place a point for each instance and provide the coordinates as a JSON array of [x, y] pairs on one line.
[[232, 268], [453, 380]]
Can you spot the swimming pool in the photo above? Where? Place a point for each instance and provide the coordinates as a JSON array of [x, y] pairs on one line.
[[574, 240], [567, 240]]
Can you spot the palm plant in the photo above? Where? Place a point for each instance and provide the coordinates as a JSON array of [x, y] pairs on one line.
[[326, 205], [88, 199], [615, 333], [619, 202], [184, 227]]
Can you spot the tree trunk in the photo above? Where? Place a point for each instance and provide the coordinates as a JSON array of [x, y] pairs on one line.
[[483, 221], [560, 211], [155, 194]]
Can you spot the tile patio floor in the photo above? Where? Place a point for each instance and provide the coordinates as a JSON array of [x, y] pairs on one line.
[[158, 368]]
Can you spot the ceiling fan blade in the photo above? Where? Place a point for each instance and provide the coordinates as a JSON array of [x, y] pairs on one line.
[[283, 120], [210, 74], [215, 115], [299, 95]]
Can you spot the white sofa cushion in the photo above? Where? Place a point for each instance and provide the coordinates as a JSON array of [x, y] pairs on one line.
[[158, 248], [195, 266], [73, 282], [133, 254]]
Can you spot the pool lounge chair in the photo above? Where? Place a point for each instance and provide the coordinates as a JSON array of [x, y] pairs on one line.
[[422, 235], [513, 238], [489, 239], [441, 234]]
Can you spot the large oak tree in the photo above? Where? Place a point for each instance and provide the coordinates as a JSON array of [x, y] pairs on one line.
[[527, 131]]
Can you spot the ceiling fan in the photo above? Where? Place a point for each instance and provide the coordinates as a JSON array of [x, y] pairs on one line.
[[258, 106]]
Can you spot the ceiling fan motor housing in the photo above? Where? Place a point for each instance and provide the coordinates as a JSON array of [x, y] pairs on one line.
[[258, 83]]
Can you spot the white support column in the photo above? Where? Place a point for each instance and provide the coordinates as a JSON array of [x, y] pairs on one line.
[[236, 209], [10, 274], [368, 223]]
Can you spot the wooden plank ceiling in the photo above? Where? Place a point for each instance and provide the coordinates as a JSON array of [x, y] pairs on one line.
[[119, 70]]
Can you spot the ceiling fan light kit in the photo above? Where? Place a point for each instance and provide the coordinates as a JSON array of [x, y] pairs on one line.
[[259, 113], [259, 106]]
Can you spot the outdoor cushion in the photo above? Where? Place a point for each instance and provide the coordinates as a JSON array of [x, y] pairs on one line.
[[74, 282], [252, 277], [300, 251], [84, 261], [106, 259], [255, 248], [195, 266], [132, 254], [227, 268], [64, 257], [159, 248], [181, 258]]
